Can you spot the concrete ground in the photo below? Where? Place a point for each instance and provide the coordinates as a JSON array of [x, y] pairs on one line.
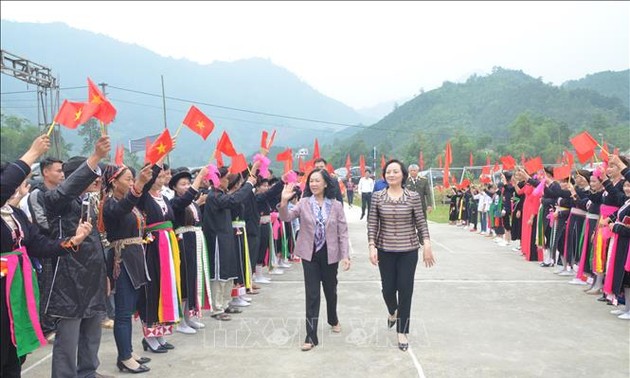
[[481, 312]]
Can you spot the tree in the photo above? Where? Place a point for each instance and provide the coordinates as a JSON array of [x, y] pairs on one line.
[[90, 132], [17, 135]]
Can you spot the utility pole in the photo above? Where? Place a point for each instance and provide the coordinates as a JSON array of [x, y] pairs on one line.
[[374, 162], [104, 91], [41, 76], [168, 157]]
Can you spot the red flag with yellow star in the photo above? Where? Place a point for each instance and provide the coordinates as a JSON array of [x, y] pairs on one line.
[[225, 146], [73, 114], [162, 146], [198, 122], [106, 111]]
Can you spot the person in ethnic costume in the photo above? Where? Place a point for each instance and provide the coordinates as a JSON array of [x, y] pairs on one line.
[[612, 198], [160, 303], [620, 281], [194, 267], [124, 224], [576, 221], [217, 228], [20, 330], [585, 269]]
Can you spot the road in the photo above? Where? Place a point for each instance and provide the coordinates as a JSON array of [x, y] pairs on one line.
[[482, 311]]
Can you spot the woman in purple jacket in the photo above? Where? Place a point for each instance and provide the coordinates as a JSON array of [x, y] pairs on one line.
[[322, 244]]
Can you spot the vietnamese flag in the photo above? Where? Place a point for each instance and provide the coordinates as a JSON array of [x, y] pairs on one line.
[[147, 147], [198, 122], [160, 147], [568, 158], [485, 170], [487, 159], [348, 164], [603, 154], [219, 157], [382, 161], [362, 165], [301, 165], [73, 114], [263, 139], [533, 165], [119, 157], [470, 160], [448, 154], [285, 155], [421, 161], [106, 111], [316, 154], [225, 146], [584, 144], [508, 162], [496, 167], [239, 164], [560, 173]]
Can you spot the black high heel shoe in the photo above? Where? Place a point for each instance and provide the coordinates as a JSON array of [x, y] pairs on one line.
[[140, 369], [143, 360], [167, 345], [403, 346], [159, 349], [390, 322]]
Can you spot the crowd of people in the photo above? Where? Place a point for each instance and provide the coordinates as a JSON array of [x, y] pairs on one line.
[[157, 244], [165, 244], [579, 225]]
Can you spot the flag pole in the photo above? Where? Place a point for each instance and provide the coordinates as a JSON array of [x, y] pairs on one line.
[[103, 129], [178, 130], [50, 129]]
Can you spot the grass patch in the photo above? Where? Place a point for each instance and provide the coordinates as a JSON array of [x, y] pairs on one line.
[[439, 214]]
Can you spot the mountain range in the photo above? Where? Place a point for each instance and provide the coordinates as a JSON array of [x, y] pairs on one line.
[[133, 75]]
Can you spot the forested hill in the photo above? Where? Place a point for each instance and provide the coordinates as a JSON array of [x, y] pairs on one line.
[[506, 111], [608, 83]]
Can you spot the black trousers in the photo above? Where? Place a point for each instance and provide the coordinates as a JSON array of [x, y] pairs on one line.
[[366, 200], [397, 272], [315, 271]]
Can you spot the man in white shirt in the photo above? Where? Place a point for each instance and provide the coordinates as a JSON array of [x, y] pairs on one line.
[[366, 185]]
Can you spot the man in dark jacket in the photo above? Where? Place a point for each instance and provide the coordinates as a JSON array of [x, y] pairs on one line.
[[52, 173], [78, 291]]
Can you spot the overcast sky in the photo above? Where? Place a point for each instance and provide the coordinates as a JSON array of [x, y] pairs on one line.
[[365, 53]]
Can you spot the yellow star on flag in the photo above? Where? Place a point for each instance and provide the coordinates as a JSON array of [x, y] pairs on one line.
[[96, 100], [77, 115], [161, 148], [200, 125]]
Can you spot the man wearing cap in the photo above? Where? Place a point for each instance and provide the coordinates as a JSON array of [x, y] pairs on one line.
[[78, 291]]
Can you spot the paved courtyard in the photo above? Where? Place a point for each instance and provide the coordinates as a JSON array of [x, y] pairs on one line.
[[481, 312]]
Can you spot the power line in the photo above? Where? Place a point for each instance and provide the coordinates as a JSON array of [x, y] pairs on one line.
[[35, 91], [237, 109], [179, 99]]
